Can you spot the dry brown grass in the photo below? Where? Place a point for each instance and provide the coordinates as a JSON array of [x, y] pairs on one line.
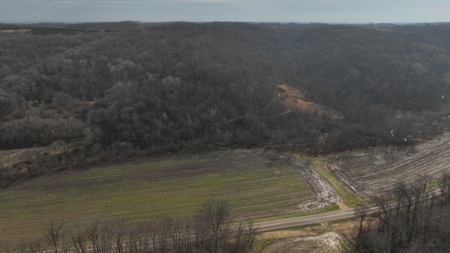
[[306, 239]]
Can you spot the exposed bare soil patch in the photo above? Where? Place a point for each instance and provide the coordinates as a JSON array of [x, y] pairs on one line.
[[295, 99], [16, 31], [13, 156], [288, 239], [376, 171], [289, 234], [328, 242]]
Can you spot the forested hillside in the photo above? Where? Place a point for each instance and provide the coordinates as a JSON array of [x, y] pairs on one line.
[[122, 89]]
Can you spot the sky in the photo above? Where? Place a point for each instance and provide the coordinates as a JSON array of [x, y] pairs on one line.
[[323, 11]]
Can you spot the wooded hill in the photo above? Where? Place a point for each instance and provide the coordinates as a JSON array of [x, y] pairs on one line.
[[132, 88]]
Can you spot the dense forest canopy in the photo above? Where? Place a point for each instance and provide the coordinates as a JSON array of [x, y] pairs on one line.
[[129, 87]]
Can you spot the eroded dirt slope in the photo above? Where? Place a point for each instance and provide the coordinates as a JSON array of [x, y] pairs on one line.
[[13, 156], [295, 99]]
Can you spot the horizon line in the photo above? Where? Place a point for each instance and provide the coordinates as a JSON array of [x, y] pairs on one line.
[[183, 21]]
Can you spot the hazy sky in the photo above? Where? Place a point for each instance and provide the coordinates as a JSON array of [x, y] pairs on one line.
[[327, 11]]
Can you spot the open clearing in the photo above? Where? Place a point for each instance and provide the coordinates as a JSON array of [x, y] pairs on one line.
[[255, 186], [295, 99], [12, 156], [376, 171]]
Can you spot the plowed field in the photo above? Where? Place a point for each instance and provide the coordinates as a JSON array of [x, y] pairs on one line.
[[376, 171]]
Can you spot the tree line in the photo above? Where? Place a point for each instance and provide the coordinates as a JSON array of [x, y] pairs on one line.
[[413, 219], [208, 231]]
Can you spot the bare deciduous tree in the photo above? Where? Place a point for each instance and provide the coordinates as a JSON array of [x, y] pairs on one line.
[[52, 229], [78, 237], [215, 214], [244, 235]]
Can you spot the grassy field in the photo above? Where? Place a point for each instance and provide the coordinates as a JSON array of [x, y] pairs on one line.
[[176, 186]]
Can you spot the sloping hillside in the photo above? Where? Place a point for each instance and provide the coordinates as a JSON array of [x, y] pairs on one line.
[[155, 88]]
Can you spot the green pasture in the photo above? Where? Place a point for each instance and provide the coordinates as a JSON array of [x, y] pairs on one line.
[[139, 191]]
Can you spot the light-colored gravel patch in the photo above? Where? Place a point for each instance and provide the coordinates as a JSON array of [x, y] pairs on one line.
[[326, 243]]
